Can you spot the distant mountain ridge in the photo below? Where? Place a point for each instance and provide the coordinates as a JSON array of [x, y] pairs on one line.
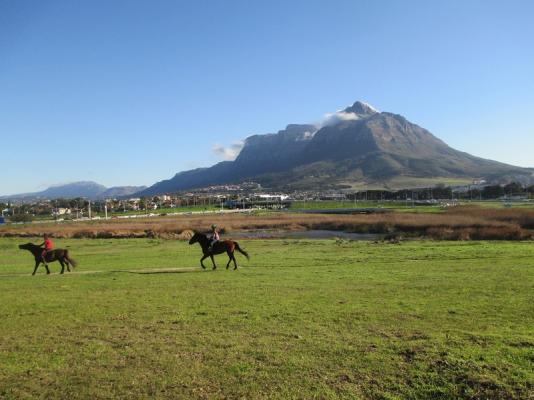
[[87, 189], [357, 145]]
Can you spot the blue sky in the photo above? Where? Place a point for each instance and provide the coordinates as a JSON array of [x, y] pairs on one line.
[[131, 92]]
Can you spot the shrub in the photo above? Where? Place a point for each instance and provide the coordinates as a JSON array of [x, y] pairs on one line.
[[21, 218]]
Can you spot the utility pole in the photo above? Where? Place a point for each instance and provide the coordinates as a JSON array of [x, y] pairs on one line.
[[89, 209]]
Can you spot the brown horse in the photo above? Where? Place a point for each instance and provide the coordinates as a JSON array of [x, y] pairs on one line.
[[61, 255], [219, 247]]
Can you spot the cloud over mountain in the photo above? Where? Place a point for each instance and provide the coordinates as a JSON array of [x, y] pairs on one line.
[[356, 146], [228, 153]]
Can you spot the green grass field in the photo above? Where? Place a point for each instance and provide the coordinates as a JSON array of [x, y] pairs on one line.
[[165, 210], [397, 206], [406, 206], [302, 319]]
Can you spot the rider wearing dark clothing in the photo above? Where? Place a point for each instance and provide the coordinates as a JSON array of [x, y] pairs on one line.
[[214, 237]]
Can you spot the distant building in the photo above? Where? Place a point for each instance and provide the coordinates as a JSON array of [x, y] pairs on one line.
[[271, 197], [62, 211], [333, 196]]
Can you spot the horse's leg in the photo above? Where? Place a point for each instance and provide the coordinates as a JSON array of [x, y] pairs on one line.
[[62, 265], [45, 263], [67, 264], [202, 259], [36, 265], [229, 252], [213, 261], [235, 262]]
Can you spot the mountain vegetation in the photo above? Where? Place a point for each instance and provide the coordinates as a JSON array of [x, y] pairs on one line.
[[358, 146], [90, 190]]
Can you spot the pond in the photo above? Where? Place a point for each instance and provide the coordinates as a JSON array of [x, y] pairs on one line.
[[311, 234]]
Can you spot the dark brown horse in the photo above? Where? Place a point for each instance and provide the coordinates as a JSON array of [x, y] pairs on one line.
[[219, 247], [61, 255]]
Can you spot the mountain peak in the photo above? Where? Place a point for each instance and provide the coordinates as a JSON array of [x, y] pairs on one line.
[[361, 108], [355, 146]]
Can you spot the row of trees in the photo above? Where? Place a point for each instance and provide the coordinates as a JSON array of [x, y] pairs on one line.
[[80, 207], [443, 192]]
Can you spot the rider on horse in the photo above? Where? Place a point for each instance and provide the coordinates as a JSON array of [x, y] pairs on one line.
[[214, 237], [47, 247]]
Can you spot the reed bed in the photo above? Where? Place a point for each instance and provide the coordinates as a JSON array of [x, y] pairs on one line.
[[459, 223]]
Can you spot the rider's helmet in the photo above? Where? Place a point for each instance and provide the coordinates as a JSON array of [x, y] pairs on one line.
[[213, 226]]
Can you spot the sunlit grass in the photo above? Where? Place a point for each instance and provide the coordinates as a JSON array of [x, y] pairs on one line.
[[302, 319]]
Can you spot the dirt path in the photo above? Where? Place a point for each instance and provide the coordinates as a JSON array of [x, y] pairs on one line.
[[112, 271]]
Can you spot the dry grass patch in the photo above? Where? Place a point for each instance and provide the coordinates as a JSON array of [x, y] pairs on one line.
[[460, 223]]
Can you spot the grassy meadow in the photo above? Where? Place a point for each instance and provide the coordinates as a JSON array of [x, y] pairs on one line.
[[302, 319], [408, 206]]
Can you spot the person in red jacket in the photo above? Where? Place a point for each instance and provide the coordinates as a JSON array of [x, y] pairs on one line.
[[47, 247]]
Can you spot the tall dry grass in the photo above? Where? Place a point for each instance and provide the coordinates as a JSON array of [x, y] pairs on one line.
[[455, 224]]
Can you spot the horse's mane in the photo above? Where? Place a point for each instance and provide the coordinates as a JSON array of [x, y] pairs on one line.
[[32, 245]]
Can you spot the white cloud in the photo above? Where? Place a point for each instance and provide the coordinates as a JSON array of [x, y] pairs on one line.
[[228, 153], [307, 135], [337, 117], [231, 152]]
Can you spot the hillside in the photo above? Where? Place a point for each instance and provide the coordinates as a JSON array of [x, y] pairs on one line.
[[87, 189], [357, 146]]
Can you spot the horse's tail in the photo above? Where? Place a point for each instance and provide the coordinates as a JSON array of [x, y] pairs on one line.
[[241, 250], [70, 260]]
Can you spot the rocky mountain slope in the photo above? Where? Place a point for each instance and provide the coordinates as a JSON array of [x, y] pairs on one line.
[[355, 146]]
